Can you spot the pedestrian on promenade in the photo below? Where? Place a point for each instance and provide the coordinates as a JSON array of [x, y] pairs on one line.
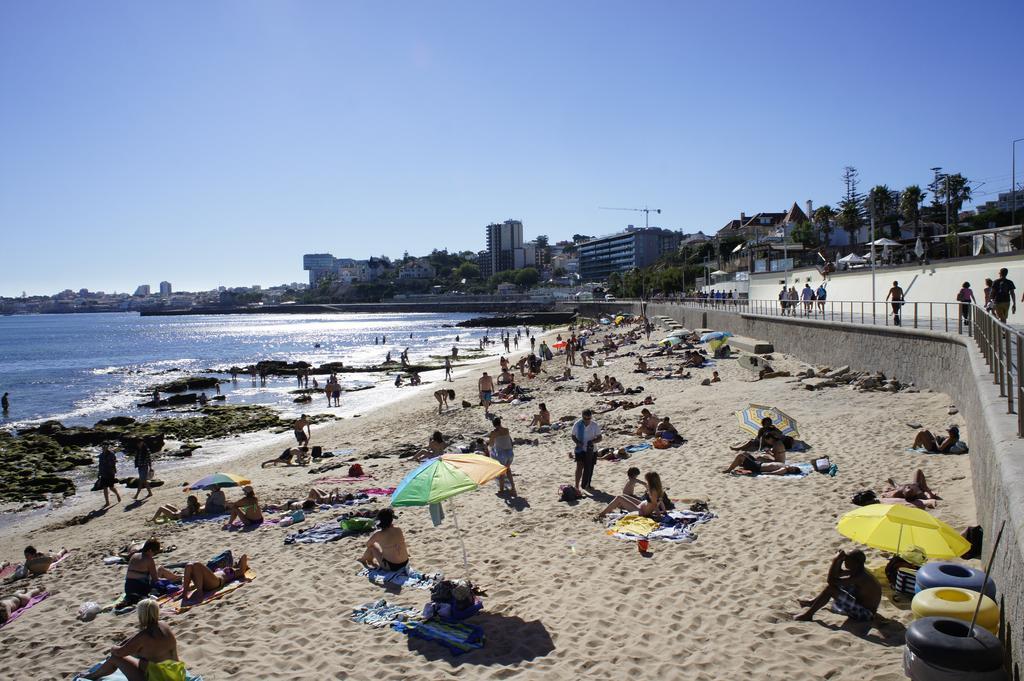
[[897, 296], [1004, 295], [966, 298], [988, 295]]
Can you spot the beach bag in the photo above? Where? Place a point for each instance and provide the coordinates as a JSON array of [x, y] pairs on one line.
[[822, 465], [865, 498], [318, 451], [661, 443], [355, 471], [357, 524], [221, 560]]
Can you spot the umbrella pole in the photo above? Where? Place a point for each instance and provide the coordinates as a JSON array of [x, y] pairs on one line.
[[458, 532], [984, 584]]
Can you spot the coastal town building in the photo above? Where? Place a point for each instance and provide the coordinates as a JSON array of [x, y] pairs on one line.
[[505, 249], [165, 289], [142, 290], [635, 247], [416, 269], [343, 270], [1003, 203]]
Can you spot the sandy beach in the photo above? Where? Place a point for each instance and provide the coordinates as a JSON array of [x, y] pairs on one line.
[[564, 600]]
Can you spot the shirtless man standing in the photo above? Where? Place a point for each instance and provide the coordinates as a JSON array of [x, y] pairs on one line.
[[302, 430], [486, 387]]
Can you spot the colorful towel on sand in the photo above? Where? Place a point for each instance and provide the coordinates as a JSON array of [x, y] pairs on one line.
[[8, 570], [380, 613], [675, 526], [321, 534], [378, 491], [638, 447], [177, 604], [34, 601], [406, 577], [334, 480], [118, 676], [459, 637]]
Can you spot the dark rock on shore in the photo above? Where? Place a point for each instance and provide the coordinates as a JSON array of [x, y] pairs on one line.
[[30, 460], [525, 319], [190, 383], [280, 368], [116, 421]]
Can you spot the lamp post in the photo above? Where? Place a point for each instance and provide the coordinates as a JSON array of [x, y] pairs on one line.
[[1013, 182]]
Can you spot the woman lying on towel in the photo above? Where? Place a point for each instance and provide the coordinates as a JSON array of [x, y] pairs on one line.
[[745, 464], [168, 512], [386, 548], [916, 493], [654, 505], [16, 602], [150, 655], [200, 579]]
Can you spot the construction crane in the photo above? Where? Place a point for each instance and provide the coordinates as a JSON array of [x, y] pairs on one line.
[[645, 210]]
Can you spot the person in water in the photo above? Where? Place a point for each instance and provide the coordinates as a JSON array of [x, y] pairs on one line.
[[386, 548], [149, 655]]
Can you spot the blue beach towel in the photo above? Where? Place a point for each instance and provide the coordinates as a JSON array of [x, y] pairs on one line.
[[381, 613], [638, 447], [405, 577], [321, 534], [805, 470], [458, 637]]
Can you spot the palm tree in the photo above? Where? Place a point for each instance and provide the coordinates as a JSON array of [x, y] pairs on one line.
[[881, 205], [823, 217], [910, 206]]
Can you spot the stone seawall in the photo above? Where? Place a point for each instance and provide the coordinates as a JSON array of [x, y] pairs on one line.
[[943, 362]]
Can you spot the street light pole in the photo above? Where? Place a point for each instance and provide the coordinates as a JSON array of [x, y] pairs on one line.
[[1013, 182]]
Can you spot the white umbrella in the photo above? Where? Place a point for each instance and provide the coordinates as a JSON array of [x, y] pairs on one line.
[[718, 272], [852, 259], [919, 248], [884, 242]]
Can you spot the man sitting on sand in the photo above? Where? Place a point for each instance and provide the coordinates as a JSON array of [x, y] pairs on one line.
[[16, 602], [666, 430], [855, 592], [386, 548], [216, 501], [648, 423], [641, 366], [204, 580], [246, 509], [595, 385], [143, 572]]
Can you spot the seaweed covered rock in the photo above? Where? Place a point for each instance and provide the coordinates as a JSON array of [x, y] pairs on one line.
[[181, 385]]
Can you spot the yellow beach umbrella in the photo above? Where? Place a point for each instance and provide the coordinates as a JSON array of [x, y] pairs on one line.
[[749, 419], [889, 527]]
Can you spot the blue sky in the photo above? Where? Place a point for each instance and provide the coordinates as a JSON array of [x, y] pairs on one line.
[[215, 142]]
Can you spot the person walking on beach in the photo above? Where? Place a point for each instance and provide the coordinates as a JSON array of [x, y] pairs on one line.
[[107, 475], [144, 466], [897, 296], [1004, 295], [5, 403], [486, 387], [448, 369], [585, 434], [302, 431], [533, 344]]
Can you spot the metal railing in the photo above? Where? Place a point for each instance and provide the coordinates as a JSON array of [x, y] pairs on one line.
[[933, 316], [1002, 347]]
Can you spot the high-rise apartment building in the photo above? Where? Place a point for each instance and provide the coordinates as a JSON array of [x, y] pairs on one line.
[[142, 290], [505, 249], [165, 288], [622, 252]]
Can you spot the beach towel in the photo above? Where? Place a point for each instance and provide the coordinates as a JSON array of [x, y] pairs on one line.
[[334, 480], [459, 637], [8, 570], [959, 447], [321, 534], [632, 526], [381, 613], [378, 491], [34, 601], [677, 526], [118, 676], [638, 447], [406, 577], [181, 606]]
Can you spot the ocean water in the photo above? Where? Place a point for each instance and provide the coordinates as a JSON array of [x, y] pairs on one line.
[[80, 368]]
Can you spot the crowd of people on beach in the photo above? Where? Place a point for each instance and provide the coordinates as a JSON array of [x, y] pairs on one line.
[[152, 652]]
